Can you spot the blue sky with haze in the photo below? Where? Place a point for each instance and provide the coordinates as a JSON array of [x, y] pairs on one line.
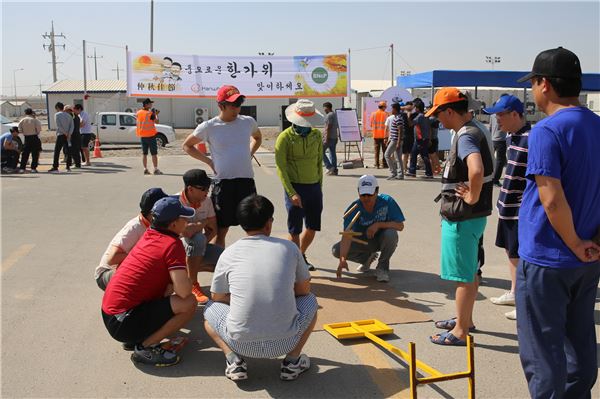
[[426, 35]]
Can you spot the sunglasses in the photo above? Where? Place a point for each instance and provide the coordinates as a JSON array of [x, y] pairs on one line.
[[366, 195]]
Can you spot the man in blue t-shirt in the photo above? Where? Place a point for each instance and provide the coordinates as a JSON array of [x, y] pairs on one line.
[[557, 278], [379, 221], [9, 150]]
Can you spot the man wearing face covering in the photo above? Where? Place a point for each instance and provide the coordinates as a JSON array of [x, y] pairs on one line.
[[299, 159]]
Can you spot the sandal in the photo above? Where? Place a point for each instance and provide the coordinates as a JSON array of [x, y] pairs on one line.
[[448, 339], [450, 324]]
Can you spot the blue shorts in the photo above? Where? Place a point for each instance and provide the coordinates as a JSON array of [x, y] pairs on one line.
[[507, 237], [311, 196], [149, 143]]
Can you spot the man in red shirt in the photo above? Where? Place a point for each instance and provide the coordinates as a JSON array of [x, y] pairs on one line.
[[150, 295]]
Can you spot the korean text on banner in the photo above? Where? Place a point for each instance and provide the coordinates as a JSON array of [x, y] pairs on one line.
[[171, 75]]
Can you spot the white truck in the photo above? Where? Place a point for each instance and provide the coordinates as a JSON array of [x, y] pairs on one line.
[[119, 128]]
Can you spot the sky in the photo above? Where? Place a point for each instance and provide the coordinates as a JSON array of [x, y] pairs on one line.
[[426, 35]]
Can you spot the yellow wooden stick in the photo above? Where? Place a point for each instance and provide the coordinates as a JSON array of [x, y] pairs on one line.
[[350, 233], [360, 241], [354, 219], [349, 211]]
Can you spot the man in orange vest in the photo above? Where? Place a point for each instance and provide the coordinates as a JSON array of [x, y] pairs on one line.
[[146, 118], [378, 127]]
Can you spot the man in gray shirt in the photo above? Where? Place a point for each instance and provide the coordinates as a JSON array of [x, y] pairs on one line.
[[261, 304], [64, 129], [499, 140], [330, 139]]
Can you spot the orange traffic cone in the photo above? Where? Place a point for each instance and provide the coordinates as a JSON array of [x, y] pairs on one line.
[[97, 152]]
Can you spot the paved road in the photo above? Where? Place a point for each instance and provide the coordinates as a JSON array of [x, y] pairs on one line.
[[55, 227]]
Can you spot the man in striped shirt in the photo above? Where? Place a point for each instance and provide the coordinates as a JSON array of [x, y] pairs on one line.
[[393, 152], [509, 114]]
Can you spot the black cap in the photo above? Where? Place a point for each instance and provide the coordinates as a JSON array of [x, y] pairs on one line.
[[196, 177], [147, 101], [149, 198], [555, 63]]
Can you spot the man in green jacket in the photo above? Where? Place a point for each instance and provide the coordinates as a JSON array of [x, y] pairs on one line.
[[299, 159]]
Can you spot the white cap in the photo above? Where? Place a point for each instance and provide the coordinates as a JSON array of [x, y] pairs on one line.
[[367, 184]]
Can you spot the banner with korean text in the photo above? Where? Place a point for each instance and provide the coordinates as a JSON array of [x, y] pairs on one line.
[[172, 75]]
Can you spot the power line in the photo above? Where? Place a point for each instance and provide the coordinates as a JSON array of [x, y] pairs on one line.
[[52, 48], [369, 48], [402, 58]]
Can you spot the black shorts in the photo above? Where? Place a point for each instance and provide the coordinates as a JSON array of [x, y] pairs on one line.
[[149, 143], [140, 322], [407, 144], [85, 140], [507, 237], [311, 196], [434, 144], [226, 196]]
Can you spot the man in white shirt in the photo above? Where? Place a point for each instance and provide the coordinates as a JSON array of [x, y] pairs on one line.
[[233, 140]]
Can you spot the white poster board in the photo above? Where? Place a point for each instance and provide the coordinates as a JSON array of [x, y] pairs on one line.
[[347, 120]]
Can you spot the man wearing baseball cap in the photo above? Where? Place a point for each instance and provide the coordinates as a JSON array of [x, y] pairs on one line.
[[378, 225], [146, 119], [233, 140], [150, 295], [466, 201], [557, 278], [509, 113]]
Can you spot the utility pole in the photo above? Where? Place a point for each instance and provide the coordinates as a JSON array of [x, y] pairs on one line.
[[151, 26], [85, 95], [117, 69], [41, 96], [95, 57], [392, 51], [52, 48]]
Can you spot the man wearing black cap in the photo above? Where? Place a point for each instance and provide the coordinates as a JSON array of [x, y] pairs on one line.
[[126, 238], [557, 278], [146, 119], [202, 227]]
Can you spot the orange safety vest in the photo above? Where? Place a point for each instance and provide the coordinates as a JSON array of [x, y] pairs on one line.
[[378, 123], [145, 126]]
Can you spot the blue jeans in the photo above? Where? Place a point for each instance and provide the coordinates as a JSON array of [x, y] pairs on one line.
[[331, 161], [420, 147], [555, 325]]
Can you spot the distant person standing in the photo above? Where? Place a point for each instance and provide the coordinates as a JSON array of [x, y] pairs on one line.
[[75, 142], [146, 119], [557, 278], [31, 128], [393, 152], [86, 130], [377, 123], [233, 140], [330, 139], [499, 140], [408, 137], [64, 129], [421, 145]]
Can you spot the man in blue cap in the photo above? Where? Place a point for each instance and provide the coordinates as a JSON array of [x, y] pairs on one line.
[[508, 111], [557, 277]]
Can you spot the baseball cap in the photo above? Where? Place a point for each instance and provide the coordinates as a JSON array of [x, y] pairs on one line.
[[170, 208], [555, 63], [228, 93], [446, 95], [147, 101], [367, 184], [196, 177], [149, 198], [505, 103]]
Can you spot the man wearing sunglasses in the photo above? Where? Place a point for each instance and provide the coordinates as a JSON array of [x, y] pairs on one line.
[[380, 220], [201, 228], [233, 140]]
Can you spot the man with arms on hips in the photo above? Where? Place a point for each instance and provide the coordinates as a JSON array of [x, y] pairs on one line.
[[299, 160], [379, 222], [31, 128], [124, 241], [330, 139], [201, 256], [146, 120], [509, 114], [466, 201], [261, 304], [150, 296], [557, 278], [233, 140], [86, 129]]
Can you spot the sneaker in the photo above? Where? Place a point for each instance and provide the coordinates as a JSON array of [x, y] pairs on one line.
[[310, 265], [508, 298], [512, 315], [197, 291], [236, 371], [34, 171], [53, 170], [392, 177], [128, 346], [157, 172], [290, 371], [19, 171], [330, 172], [154, 355], [400, 177], [146, 172], [365, 267], [68, 169], [383, 276], [410, 175]]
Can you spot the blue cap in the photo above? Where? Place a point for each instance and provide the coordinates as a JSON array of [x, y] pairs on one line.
[[169, 208], [506, 103]]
